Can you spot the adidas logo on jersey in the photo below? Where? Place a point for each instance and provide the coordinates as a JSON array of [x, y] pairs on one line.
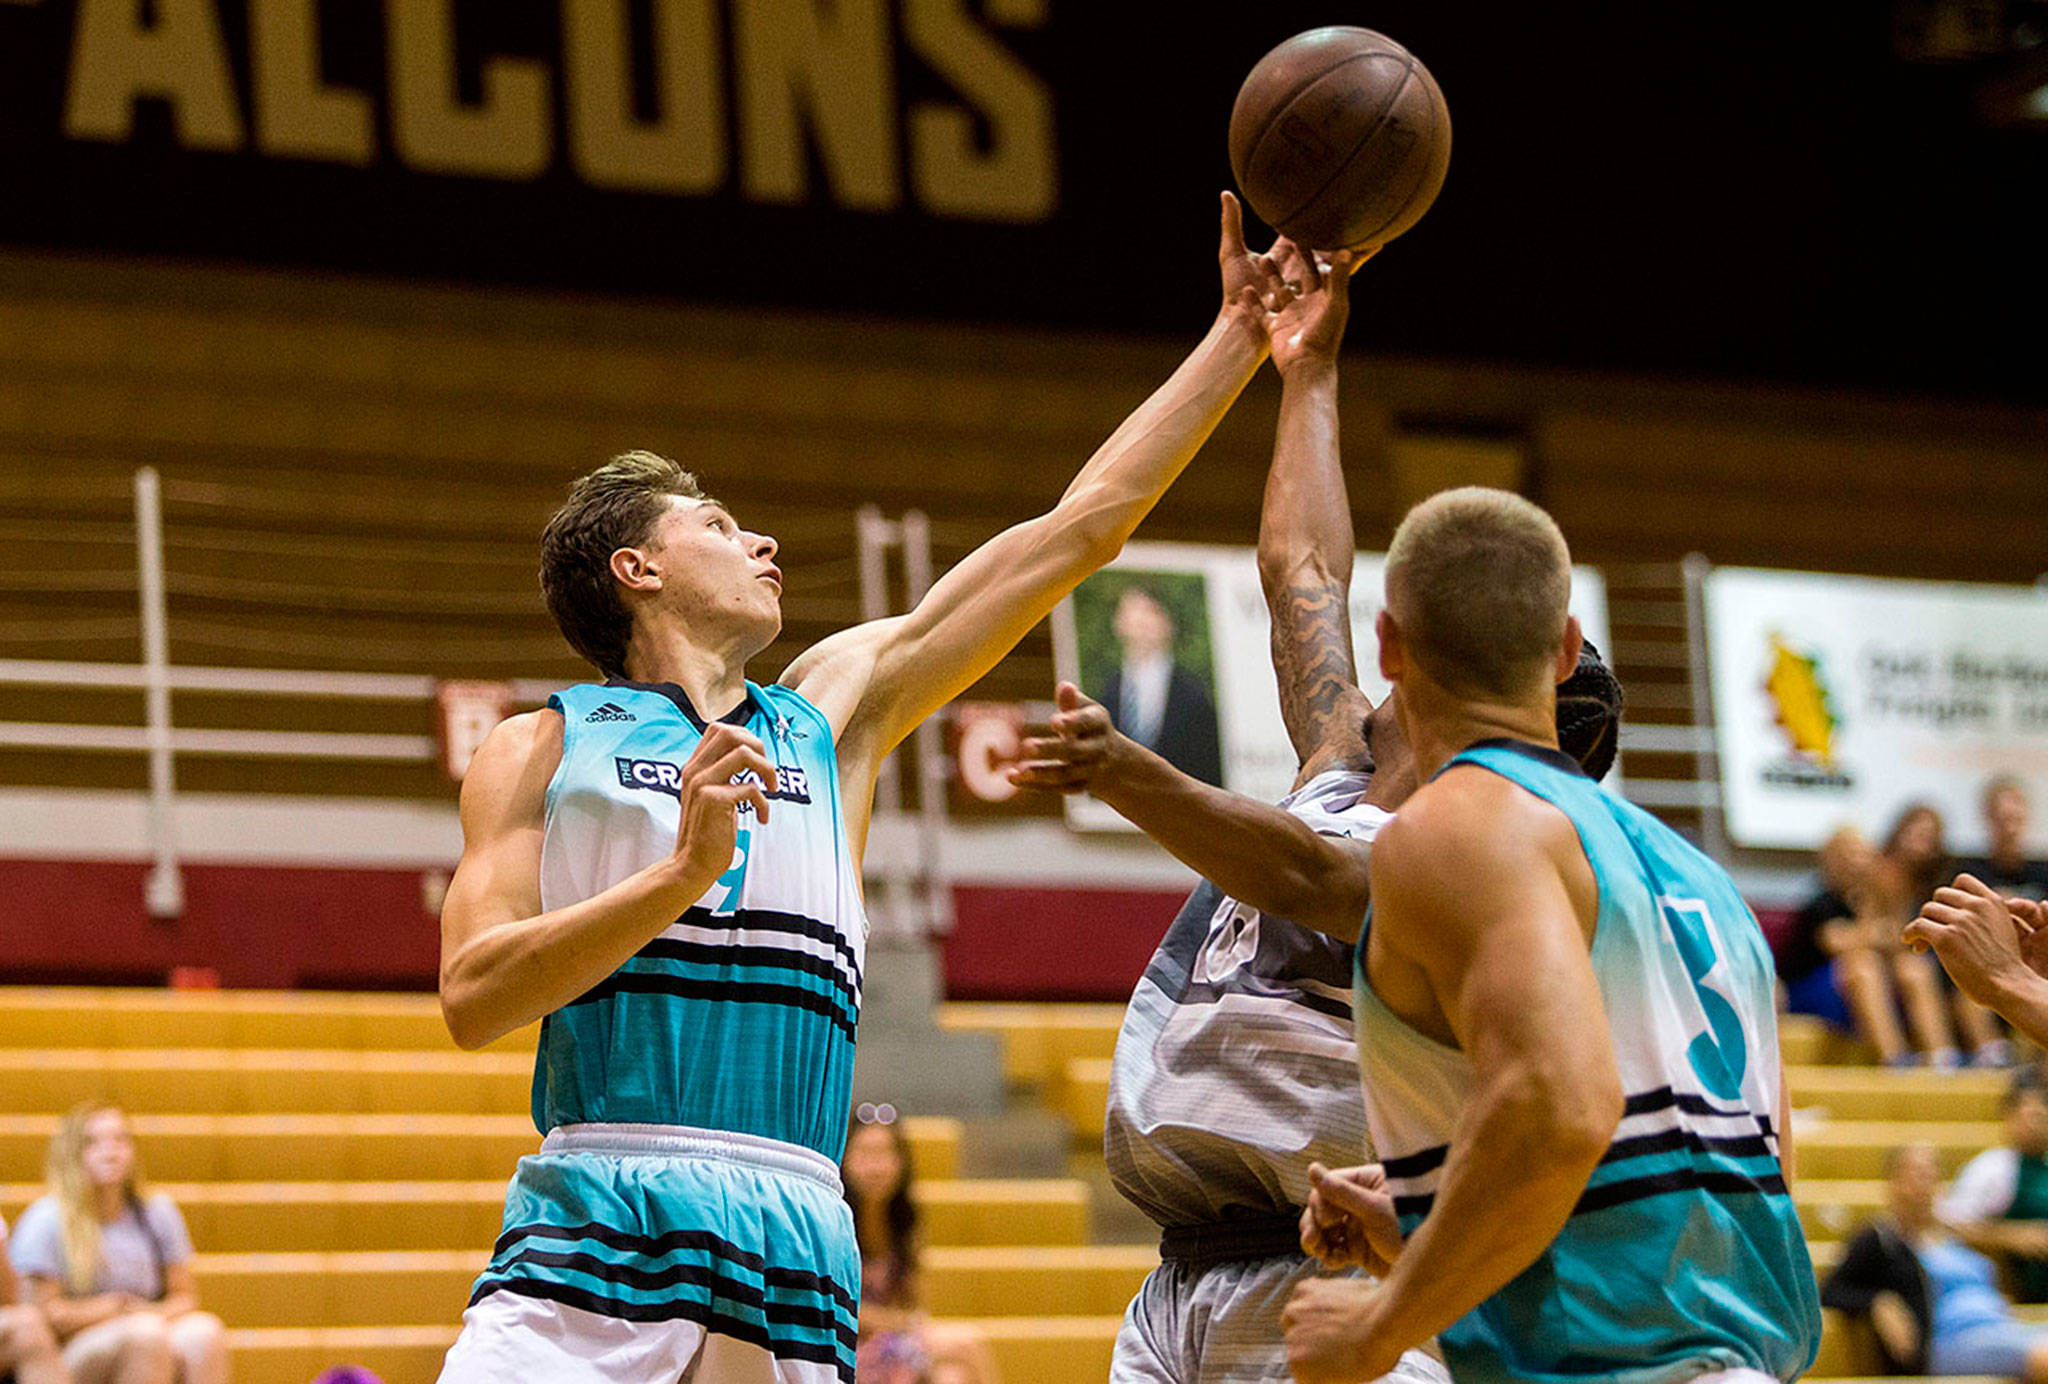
[[611, 711]]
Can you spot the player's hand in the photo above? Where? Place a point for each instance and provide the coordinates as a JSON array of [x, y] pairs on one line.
[[1081, 747], [2031, 916], [711, 802], [1329, 1332], [1349, 1221], [1984, 944], [1252, 284], [1309, 324]]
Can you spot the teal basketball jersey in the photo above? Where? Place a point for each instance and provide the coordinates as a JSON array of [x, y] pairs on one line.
[[1684, 1254], [740, 1016]]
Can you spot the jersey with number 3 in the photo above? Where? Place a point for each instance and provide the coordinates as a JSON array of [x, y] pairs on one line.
[[739, 1016], [1684, 1254]]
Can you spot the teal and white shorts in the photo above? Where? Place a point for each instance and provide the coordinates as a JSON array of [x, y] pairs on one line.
[[650, 1254]]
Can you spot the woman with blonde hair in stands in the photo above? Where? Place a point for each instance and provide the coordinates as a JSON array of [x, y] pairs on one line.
[[111, 1265]]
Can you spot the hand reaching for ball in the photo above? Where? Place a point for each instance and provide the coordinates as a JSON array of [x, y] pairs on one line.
[[1253, 286], [1309, 321]]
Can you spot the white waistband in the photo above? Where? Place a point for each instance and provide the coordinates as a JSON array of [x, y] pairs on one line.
[[681, 1141]]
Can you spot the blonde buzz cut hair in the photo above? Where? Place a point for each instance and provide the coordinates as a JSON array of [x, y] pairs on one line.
[[1480, 583]]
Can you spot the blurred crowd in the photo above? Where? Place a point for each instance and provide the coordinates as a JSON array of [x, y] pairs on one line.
[[1931, 1282], [1842, 958]]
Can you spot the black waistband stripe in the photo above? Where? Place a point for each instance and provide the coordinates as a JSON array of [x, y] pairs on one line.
[[732, 991]]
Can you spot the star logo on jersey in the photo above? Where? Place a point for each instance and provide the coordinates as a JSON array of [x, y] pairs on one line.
[[787, 732], [611, 711]]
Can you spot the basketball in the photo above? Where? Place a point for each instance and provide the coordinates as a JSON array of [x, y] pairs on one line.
[[1340, 138]]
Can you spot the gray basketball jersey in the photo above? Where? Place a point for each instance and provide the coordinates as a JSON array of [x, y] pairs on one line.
[[1236, 1066]]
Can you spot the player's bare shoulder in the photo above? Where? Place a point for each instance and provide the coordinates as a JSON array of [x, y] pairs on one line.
[[1464, 827], [509, 775]]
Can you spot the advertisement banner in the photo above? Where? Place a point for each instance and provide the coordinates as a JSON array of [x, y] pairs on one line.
[[1219, 715], [1839, 700]]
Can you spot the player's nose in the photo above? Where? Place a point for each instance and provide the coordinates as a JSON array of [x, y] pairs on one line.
[[762, 546]]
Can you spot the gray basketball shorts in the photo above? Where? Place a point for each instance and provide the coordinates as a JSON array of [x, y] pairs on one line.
[[1220, 1324]]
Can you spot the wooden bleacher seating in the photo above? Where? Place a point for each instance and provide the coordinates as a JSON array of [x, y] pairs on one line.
[[342, 1166]]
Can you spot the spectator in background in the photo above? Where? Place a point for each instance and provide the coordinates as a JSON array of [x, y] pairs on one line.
[[899, 1343], [2005, 866], [1153, 699], [111, 1266], [1931, 1301], [28, 1348], [1916, 855], [1999, 1203], [1915, 863], [1843, 961]]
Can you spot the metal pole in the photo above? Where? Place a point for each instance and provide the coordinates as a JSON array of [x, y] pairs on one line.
[[1706, 754], [165, 890], [916, 531], [873, 535]]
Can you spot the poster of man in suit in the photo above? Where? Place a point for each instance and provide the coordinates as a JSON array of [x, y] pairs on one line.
[[1145, 654]]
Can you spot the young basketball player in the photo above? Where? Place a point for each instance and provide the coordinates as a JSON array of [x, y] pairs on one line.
[[1566, 1027], [666, 869], [1235, 1072]]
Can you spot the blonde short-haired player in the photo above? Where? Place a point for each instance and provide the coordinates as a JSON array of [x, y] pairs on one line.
[[1567, 1029]]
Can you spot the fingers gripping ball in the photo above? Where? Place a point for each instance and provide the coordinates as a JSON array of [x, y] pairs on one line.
[[1340, 138]]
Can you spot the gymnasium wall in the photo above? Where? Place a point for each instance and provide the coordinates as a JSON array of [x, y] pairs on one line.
[[355, 470]]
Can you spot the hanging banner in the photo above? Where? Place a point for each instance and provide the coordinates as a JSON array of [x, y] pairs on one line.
[[1195, 617], [1839, 700]]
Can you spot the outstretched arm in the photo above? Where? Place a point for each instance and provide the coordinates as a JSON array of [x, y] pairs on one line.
[[1256, 853], [1305, 536], [1471, 901], [876, 682]]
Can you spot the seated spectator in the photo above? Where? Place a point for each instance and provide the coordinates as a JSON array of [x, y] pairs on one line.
[[2005, 866], [899, 1343], [1931, 1301], [1999, 1203], [28, 1350], [111, 1266], [1914, 863], [1843, 961]]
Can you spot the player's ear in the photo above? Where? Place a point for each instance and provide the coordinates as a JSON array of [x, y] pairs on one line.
[[1568, 652], [1393, 657], [633, 569]]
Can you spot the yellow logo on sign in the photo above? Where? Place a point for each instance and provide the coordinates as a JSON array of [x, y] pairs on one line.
[[1802, 697]]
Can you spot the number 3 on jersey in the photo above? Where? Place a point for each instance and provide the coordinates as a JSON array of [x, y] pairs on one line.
[[1720, 1056]]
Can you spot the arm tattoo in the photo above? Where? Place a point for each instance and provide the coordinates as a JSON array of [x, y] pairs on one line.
[[1319, 696]]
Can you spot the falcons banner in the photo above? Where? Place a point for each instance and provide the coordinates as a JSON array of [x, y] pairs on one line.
[[1839, 700], [1175, 640]]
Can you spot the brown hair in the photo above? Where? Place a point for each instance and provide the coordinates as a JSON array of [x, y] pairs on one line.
[[616, 506], [1480, 581]]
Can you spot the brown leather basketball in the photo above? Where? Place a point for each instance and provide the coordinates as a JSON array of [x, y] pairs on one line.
[[1340, 138]]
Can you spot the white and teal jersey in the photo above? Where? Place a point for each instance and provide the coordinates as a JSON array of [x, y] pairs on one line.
[[740, 1016], [1684, 1254]]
